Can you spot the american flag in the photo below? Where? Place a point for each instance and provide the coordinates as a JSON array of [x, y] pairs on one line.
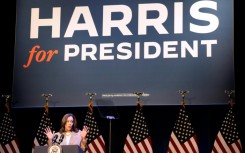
[[138, 139], [183, 138], [96, 143], [40, 138], [8, 138], [227, 140]]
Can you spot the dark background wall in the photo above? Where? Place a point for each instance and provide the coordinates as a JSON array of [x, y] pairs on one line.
[[206, 119]]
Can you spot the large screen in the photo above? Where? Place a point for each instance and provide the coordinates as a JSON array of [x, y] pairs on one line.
[[69, 49]]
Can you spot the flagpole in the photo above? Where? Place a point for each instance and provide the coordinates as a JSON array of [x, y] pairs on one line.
[[94, 137], [107, 117], [139, 133]]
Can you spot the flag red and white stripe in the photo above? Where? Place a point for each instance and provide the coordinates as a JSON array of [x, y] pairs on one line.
[[138, 139], [97, 145], [176, 146], [8, 139], [183, 138], [144, 146], [227, 140], [11, 147]]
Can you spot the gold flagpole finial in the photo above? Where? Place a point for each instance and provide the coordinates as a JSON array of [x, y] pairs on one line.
[[90, 105], [231, 97], [139, 94], [183, 93], [46, 101], [7, 104]]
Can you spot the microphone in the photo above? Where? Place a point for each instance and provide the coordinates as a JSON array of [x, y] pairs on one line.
[[61, 138], [54, 139]]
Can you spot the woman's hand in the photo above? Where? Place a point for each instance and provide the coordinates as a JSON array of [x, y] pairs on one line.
[[49, 133], [84, 132]]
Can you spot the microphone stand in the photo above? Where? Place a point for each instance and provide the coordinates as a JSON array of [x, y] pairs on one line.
[[56, 145], [110, 118]]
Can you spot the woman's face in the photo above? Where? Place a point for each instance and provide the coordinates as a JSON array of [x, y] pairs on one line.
[[69, 123]]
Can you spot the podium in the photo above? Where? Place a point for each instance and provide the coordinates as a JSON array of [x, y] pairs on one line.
[[65, 149]]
